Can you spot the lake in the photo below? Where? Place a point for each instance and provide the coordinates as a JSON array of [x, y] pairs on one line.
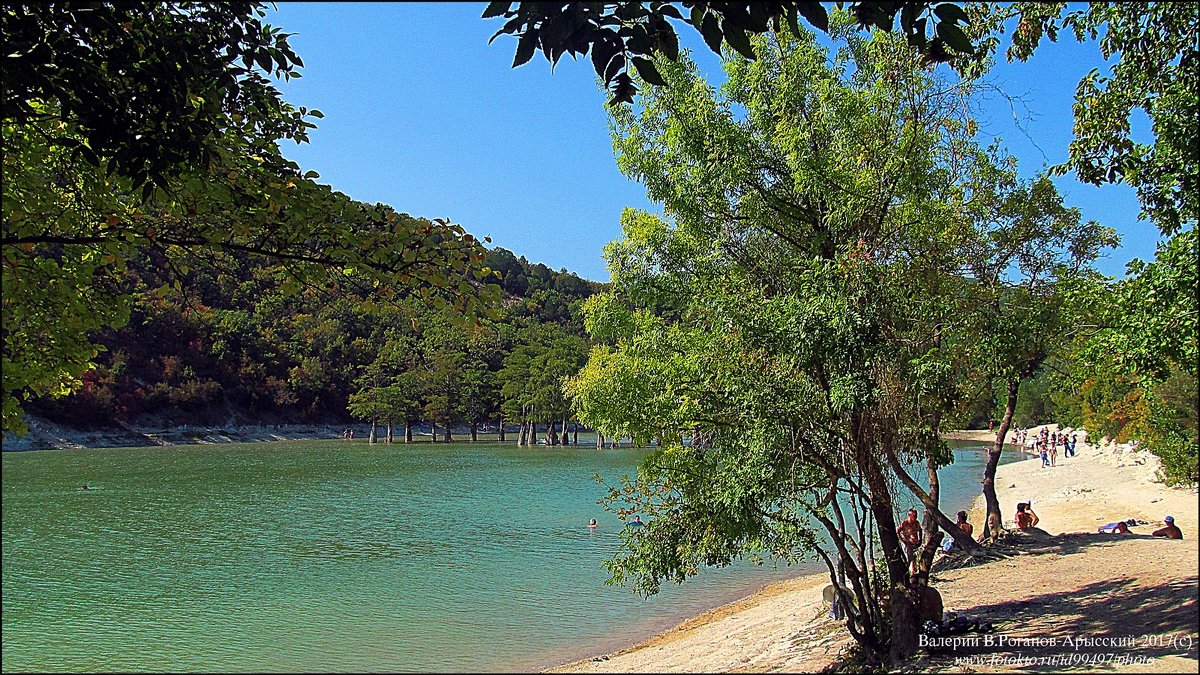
[[333, 556]]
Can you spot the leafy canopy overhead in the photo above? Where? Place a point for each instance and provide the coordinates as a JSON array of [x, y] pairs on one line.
[[624, 34]]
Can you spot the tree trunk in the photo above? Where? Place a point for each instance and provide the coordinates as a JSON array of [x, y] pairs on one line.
[[501, 427], [563, 436], [374, 434], [599, 440], [521, 433], [551, 434], [389, 431], [902, 595], [433, 432], [446, 433], [906, 622], [407, 431], [474, 432], [575, 432], [991, 501]]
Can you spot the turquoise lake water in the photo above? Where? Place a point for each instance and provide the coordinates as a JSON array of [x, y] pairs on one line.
[[323, 556]]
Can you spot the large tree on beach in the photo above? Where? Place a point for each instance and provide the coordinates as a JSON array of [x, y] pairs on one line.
[[800, 316], [153, 128], [1029, 266]]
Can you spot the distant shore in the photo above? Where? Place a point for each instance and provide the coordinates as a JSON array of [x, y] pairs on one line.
[[46, 435], [1075, 584]]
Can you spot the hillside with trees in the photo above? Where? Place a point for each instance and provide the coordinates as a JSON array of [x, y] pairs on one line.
[[240, 345]]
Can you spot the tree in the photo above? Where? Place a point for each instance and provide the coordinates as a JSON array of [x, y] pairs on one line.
[[624, 34], [133, 129], [796, 312], [1155, 71], [1032, 257]]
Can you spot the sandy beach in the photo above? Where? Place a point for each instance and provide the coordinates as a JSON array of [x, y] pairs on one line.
[[1074, 600]]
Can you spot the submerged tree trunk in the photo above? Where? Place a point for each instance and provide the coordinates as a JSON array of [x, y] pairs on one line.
[[407, 431], [389, 431], [575, 433], [433, 432], [991, 501], [374, 433], [531, 439], [599, 440], [474, 432], [521, 434], [501, 427], [551, 434], [446, 433]]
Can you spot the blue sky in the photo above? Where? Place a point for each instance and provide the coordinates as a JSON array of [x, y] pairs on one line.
[[422, 114]]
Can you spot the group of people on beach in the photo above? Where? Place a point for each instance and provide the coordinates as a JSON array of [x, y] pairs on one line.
[[1045, 443], [910, 534]]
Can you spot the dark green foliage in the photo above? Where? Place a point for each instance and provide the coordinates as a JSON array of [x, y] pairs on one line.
[[619, 34], [184, 64], [148, 134], [235, 346]]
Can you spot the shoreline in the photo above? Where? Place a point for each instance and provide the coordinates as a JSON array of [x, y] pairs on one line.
[[785, 626], [46, 435]]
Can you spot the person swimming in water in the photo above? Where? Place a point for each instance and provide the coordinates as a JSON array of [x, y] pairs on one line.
[[636, 522], [592, 523], [85, 487]]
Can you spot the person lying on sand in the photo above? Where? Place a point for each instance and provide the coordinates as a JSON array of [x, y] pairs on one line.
[[1170, 531], [1119, 527], [1025, 517]]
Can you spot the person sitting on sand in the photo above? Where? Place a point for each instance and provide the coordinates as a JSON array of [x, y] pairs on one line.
[[962, 525], [1025, 517], [910, 535], [1170, 531]]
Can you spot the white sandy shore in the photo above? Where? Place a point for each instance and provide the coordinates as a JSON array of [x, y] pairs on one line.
[[1084, 584]]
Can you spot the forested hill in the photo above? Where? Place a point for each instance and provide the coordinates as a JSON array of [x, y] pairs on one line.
[[237, 343]]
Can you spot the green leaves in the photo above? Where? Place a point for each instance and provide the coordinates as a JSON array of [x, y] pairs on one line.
[[955, 37], [648, 72], [497, 8], [626, 32]]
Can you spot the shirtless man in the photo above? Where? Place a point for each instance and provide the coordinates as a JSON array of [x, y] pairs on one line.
[[1025, 517], [1170, 531], [910, 535]]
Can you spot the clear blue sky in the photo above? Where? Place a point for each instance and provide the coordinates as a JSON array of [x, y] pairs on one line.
[[422, 114]]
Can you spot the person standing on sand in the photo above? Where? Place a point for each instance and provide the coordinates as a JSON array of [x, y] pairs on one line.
[[910, 535], [1053, 454], [1170, 531], [1044, 454]]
